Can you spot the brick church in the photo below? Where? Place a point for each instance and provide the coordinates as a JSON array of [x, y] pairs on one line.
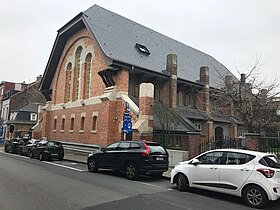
[[101, 60]]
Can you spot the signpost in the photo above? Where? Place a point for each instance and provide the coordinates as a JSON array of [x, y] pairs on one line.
[[127, 123]]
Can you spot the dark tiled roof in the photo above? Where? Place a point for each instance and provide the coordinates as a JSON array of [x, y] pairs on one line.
[[190, 113], [117, 37], [28, 108]]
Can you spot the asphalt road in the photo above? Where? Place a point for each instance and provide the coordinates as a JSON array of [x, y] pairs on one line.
[[30, 184]]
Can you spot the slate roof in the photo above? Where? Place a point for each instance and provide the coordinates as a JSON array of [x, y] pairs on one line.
[[117, 37], [190, 113], [23, 114]]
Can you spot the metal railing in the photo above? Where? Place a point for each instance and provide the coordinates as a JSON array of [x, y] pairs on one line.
[[79, 147]]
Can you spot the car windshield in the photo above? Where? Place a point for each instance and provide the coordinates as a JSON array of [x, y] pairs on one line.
[[54, 144], [270, 161]]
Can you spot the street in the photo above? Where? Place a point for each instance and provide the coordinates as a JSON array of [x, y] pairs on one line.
[[31, 184]]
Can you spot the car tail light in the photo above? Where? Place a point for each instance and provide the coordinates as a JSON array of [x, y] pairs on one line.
[[146, 151], [268, 173]]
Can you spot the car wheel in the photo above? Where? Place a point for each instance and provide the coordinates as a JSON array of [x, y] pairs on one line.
[[254, 196], [31, 154], [6, 149], [28, 153], [182, 182], [41, 157], [131, 171], [13, 150], [92, 167], [61, 158]]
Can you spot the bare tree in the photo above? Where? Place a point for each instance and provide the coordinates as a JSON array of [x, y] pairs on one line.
[[251, 99]]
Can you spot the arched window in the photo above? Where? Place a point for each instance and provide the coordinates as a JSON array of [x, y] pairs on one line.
[[94, 123], [72, 124], [156, 92], [68, 82], [179, 97], [54, 124], [63, 124], [77, 74], [87, 78], [82, 123]]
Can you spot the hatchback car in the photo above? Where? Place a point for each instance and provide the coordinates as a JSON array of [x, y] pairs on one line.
[[25, 149], [45, 150], [131, 157], [13, 145], [254, 176]]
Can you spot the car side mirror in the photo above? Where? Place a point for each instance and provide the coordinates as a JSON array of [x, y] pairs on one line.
[[103, 149], [195, 161]]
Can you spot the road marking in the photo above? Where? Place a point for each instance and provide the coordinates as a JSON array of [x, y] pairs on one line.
[[68, 167], [151, 185]]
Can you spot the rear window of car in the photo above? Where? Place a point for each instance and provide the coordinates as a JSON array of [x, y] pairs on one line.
[[156, 149], [270, 161], [54, 144]]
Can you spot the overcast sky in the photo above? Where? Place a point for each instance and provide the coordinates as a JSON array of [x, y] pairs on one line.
[[235, 32]]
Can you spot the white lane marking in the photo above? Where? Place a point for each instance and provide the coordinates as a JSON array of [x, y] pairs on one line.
[[151, 185], [68, 167]]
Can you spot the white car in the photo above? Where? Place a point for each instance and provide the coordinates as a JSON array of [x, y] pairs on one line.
[[255, 176]]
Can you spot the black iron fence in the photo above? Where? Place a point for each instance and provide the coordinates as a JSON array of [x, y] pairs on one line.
[[265, 144], [223, 143], [270, 145]]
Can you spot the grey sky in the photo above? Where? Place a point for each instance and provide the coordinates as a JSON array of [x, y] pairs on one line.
[[234, 32]]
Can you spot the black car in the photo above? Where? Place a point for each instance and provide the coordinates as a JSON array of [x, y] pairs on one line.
[[131, 157], [45, 150], [25, 149], [13, 145]]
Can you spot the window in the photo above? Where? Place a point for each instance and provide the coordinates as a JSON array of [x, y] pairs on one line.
[[82, 123], [170, 141], [211, 158], [94, 123], [233, 158], [156, 92], [68, 82], [72, 123], [87, 76], [180, 98], [198, 125], [123, 146], [270, 161], [33, 117], [77, 74], [112, 147], [178, 141], [142, 49], [55, 124], [62, 124], [134, 145]]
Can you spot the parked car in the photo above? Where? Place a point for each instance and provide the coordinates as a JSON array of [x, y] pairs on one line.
[[25, 149], [254, 176], [13, 145], [45, 150], [131, 157]]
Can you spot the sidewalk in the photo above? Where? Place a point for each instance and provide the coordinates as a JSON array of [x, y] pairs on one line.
[[83, 159]]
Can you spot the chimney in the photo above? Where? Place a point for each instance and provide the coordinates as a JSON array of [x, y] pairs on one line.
[[243, 78], [204, 78], [171, 67]]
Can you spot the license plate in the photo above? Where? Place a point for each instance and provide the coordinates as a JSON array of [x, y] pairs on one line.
[[159, 158], [54, 154]]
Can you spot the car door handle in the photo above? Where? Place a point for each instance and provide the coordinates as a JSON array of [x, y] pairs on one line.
[[244, 169]]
